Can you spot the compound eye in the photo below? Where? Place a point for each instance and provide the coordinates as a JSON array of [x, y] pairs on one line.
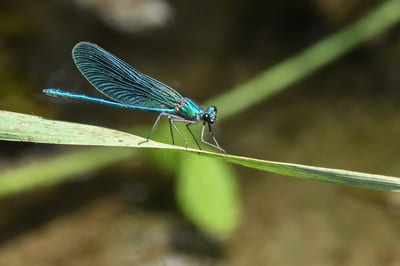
[[215, 108], [206, 117]]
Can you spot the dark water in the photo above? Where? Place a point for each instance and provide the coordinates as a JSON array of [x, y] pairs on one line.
[[346, 116]]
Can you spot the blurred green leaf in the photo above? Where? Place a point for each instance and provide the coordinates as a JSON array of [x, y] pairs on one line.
[[307, 61], [232, 102], [208, 194], [46, 172]]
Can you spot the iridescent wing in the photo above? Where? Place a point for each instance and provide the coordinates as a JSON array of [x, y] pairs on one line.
[[121, 82]]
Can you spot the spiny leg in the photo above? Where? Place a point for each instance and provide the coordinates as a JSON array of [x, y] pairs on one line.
[[155, 125], [216, 145], [191, 133], [170, 130], [172, 122], [213, 137], [172, 119], [188, 123]]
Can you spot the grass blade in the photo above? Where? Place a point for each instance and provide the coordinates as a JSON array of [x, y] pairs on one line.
[[29, 128]]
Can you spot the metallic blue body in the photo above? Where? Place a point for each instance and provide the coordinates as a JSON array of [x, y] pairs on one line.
[[128, 88], [76, 96]]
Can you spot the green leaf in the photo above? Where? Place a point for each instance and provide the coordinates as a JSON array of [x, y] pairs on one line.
[[48, 172], [29, 128], [307, 61], [230, 103], [208, 194]]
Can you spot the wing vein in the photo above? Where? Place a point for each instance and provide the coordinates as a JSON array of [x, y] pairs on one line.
[[120, 81]]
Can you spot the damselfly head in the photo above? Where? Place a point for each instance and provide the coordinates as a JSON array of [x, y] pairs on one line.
[[210, 115]]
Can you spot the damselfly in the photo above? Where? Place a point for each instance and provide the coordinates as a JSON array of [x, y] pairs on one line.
[[128, 88]]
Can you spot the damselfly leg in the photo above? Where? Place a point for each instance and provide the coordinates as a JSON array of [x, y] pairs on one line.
[[172, 119], [216, 145]]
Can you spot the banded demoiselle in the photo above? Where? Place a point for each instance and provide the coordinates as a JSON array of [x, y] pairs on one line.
[[128, 88]]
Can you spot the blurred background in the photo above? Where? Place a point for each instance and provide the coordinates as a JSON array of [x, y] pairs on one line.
[[346, 115]]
